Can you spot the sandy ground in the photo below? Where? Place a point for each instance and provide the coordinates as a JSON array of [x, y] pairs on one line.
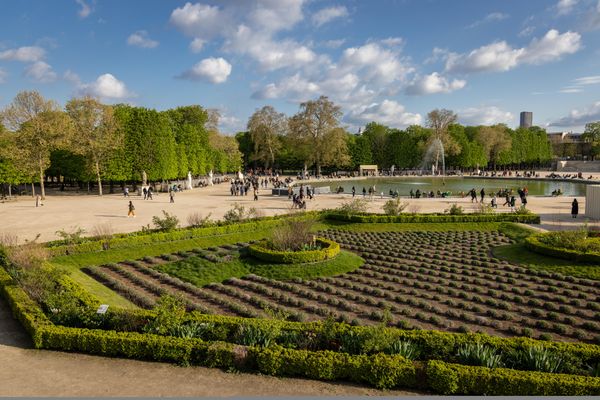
[[68, 212], [28, 372]]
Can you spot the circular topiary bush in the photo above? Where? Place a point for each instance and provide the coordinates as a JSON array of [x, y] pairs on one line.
[[328, 249]]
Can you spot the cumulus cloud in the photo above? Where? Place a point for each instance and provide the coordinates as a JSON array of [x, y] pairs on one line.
[[326, 15], [376, 63], [580, 117], [388, 112], [106, 87], [334, 44], [40, 72], [500, 56], [199, 20], [564, 7], [85, 10], [23, 54], [492, 17], [141, 39], [434, 83], [294, 87], [485, 115], [3, 75], [213, 70]]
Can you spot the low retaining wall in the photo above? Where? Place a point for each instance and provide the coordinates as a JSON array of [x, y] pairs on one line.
[[592, 201]]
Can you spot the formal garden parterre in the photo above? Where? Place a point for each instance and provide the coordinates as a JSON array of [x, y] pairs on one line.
[[410, 305]]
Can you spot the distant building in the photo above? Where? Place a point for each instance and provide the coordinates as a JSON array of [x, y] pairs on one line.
[[569, 145], [526, 119]]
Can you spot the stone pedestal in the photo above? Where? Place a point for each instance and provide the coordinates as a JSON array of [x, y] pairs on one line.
[[592, 201]]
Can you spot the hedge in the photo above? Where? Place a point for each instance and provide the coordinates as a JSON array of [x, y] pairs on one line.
[[59, 248], [448, 379], [329, 250], [534, 244], [424, 218]]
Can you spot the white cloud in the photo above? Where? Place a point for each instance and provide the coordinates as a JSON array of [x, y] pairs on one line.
[[485, 115], [72, 77], [334, 44], [41, 72], [213, 70], [141, 39], [580, 117], [587, 80], [268, 53], [274, 15], [326, 15], [106, 86], [196, 45], [571, 90], [500, 56], [551, 47], [593, 19], [23, 54], [376, 63], [434, 83], [492, 17], [199, 20], [85, 10], [3, 75], [564, 7], [527, 31], [393, 41], [294, 87], [388, 112], [230, 124]]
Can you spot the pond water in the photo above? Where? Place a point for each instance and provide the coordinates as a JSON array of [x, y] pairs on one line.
[[455, 185]]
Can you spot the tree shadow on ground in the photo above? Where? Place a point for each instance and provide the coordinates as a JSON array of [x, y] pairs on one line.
[[11, 332]]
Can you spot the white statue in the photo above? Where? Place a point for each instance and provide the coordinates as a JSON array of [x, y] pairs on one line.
[[189, 181], [210, 178], [144, 178], [240, 175]]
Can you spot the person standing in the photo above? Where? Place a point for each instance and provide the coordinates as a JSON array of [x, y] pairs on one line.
[[255, 194], [126, 192], [574, 208], [353, 191], [131, 212], [150, 193], [364, 192], [512, 203], [494, 202], [171, 196], [145, 192], [482, 193]]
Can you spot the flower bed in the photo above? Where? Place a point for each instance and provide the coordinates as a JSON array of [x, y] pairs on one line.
[[539, 244], [329, 249]]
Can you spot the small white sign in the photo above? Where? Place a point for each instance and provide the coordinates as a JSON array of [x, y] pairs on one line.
[[102, 309]]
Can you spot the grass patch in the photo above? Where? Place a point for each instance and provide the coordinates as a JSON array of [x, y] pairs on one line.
[[517, 232], [518, 254], [200, 272]]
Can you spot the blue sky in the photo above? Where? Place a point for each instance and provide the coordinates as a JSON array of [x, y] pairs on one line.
[[391, 61]]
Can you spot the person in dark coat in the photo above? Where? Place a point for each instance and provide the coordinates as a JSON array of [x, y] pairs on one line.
[[574, 208]]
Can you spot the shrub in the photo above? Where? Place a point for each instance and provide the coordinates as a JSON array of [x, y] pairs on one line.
[[328, 249], [196, 220], [170, 312], [455, 209], [239, 212], [254, 335], [405, 348], [168, 223], [74, 237], [522, 211], [355, 206], [294, 235], [104, 233], [394, 206]]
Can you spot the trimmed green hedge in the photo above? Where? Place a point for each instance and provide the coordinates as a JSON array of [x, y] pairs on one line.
[[137, 239], [448, 379], [329, 250], [534, 244], [423, 218]]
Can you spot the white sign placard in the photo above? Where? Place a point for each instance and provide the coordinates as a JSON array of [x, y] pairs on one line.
[[102, 309]]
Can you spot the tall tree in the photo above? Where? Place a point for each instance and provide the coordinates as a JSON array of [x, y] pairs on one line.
[[314, 128], [378, 136], [495, 140], [97, 135], [266, 126], [592, 135], [40, 127], [439, 121]]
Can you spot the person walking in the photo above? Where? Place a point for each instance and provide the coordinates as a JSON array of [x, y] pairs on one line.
[[131, 212], [512, 203], [126, 192], [482, 193], [171, 196], [353, 191], [494, 202], [145, 192], [473, 195], [255, 194], [574, 208], [150, 193], [364, 192]]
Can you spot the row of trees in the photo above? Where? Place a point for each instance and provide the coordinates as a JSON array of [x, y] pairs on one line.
[[91, 141], [314, 137]]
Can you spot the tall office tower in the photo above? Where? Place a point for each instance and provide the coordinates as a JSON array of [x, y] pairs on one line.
[[526, 119]]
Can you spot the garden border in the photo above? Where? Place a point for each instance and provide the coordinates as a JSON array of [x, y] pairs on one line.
[[330, 250], [534, 244], [423, 218]]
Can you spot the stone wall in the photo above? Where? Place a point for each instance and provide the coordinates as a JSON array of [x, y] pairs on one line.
[[578, 166]]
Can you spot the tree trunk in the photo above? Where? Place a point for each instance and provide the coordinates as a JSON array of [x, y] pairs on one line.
[[32, 189], [98, 177], [42, 181], [318, 168], [9, 190]]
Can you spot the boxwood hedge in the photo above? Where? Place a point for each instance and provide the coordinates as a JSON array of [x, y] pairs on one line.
[[329, 249], [423, 218], [534, 243]]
